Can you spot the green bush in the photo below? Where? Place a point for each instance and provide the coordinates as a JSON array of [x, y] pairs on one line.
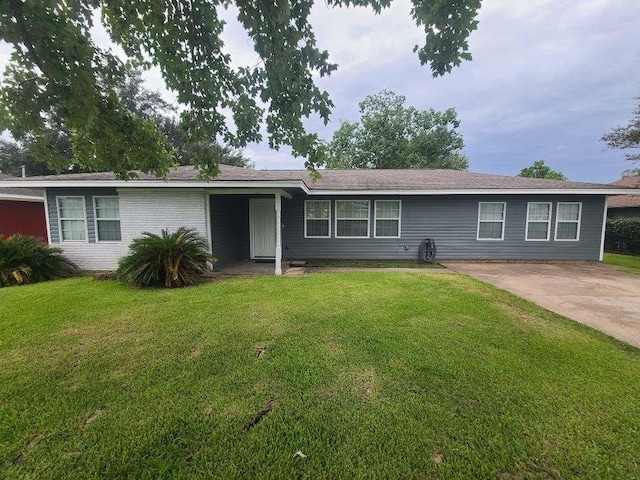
[[623, 234], [169, 260], [25, 259]]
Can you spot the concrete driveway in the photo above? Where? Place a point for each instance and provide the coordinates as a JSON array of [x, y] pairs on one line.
[[602, 296]]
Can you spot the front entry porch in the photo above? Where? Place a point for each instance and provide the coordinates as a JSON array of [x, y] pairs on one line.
[[245, 228]]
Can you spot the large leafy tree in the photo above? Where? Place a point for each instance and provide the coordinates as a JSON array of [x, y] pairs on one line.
[[392, 135], [56, 70], [627, 137], [539, 169], [49, 150]]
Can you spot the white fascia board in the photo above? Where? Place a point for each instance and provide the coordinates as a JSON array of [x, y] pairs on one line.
[[156, 184], [21, 198], [497, 191]]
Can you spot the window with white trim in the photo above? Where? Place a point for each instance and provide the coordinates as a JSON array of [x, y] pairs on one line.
[[352, 218], [387, 218], [491, 220], [317, 218], [107, 219], [538, 221], [71, 215], [568, 217]]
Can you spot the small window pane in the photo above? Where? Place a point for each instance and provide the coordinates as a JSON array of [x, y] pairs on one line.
[[490, 230], [109, 230], [352, 228], [318, 210], [491, 212], [537, 231], [568, 212], [107, 207], [539, 212], [318, 228], [567, 231], [352, 209], [73, 229], [71, 208], [387, 228], [387, 209]]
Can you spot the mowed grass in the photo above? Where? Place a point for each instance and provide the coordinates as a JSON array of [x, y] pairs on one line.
[[627, 261], [371, 375]]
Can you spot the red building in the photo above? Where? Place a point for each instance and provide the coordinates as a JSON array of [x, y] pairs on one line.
[[22, 211]]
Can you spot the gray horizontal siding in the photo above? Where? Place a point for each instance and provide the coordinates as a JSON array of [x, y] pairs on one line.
[[88, 194], [623, 212], [224, 237], [452, 222]]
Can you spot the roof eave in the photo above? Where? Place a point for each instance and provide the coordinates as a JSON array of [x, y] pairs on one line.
[[276, 184], [483, 191]]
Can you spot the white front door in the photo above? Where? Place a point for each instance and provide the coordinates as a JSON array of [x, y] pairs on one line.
[[262, 220]]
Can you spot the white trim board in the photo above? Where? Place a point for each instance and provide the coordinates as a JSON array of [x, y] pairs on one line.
[[21, 198]]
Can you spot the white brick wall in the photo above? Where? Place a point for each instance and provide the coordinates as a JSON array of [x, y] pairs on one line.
[[142, 210]]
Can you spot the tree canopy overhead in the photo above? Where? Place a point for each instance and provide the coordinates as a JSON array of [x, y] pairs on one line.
[[48, 151], [57, 70], [539, 169], [627, 137], [392, 135]]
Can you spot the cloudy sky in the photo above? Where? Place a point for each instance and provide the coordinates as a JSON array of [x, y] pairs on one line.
[[548, 79]]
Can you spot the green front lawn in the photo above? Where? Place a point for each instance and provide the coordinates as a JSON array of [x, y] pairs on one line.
[[627, 261], [371, 375]]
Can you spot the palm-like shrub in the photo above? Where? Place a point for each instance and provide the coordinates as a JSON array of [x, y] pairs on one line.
[[169, 260], [25, 259]]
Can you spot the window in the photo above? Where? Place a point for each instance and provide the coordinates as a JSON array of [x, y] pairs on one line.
[[491, 217], [352, 218], [568, 221], [538, 221], [317, 219], [387, 218], [107, 219], [71, 214]]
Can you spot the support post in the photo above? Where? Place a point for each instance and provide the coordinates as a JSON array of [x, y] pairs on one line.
[[604, 227], [278, 204]]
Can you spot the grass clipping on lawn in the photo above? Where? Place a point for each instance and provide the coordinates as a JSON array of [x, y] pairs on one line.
[[368, 375]]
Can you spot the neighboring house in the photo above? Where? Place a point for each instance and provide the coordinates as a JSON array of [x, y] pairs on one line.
[[22, 211], [358, 214], [625, 205]]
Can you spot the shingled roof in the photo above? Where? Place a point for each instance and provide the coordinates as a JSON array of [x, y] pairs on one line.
[[10, 192], [341, 180], [625, 201]]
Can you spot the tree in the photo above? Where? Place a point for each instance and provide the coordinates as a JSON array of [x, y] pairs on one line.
[[540, 170], [391, 135], [48, 151], [627, 137], [57, 69]]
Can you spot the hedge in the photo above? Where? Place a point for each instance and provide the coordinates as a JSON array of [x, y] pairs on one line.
[[623, 235]]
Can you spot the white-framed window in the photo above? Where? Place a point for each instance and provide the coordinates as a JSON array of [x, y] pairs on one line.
[[387, 214], [568, 218], [72, 219], [107, 219], [491, 220], [317, 219], [538, 221], [352, 218]]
